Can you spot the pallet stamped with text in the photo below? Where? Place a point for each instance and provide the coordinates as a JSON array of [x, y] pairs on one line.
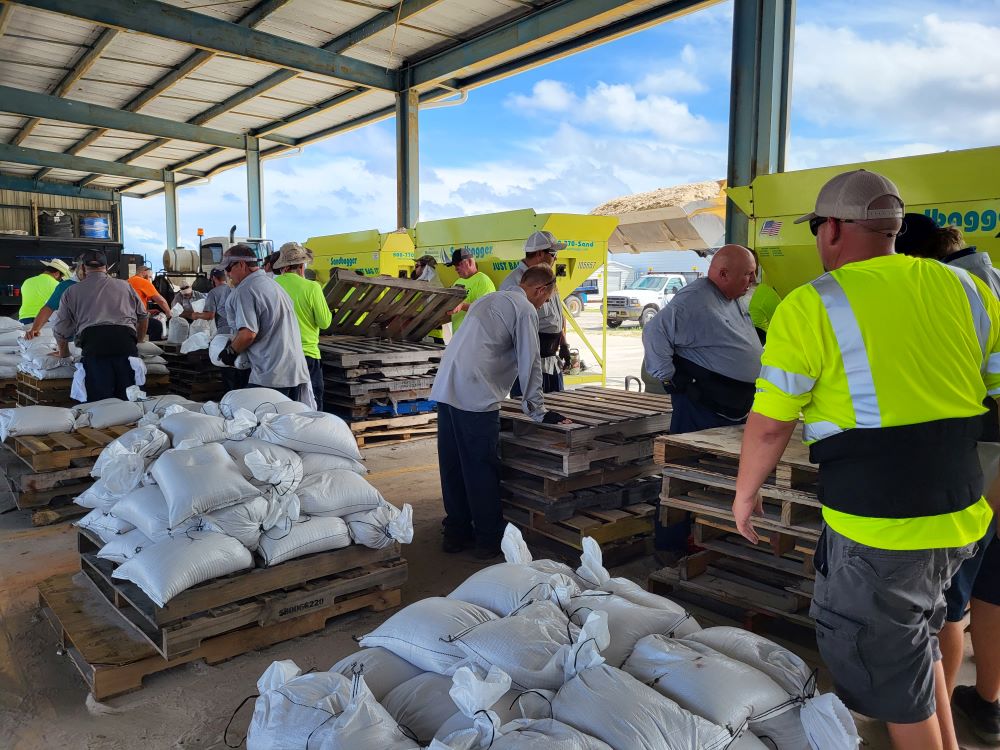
[[390, 430], [257, 597]]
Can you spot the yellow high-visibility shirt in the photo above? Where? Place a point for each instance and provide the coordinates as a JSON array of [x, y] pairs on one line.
[[35, 292], [886, 342]]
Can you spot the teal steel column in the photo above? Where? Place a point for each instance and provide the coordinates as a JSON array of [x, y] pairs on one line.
[[255, 194], [763, 33], [407, 158], [170, 208]]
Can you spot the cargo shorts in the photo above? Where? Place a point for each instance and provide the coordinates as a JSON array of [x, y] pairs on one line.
[[877, 614]]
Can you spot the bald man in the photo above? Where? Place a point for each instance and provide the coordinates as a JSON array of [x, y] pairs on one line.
[[704, 349]]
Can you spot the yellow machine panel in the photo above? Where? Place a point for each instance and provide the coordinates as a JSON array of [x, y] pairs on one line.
[[955, 187], [370, 252]]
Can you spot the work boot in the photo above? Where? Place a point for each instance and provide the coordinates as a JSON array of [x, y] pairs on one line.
[[452, 545], [486, 552], [983, 716]]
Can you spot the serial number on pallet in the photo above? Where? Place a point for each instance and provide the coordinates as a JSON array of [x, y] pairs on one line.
[[311, 604]]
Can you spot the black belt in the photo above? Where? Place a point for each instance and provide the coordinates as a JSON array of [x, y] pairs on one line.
[[107, 341], [911, 471], [548, 343], [724, 395]]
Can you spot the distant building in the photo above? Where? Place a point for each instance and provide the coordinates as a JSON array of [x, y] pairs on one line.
[[620, 276]]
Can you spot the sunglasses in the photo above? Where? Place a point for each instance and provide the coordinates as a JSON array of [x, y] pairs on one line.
[[815, 223]]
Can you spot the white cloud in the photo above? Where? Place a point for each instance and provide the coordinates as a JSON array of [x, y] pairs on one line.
[[671, 81], [547, 96]]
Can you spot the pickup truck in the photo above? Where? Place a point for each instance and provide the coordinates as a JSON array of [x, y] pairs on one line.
[[578, 298], [643, 298]]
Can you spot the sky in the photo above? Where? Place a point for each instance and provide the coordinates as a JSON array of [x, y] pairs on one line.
[[870, 80]]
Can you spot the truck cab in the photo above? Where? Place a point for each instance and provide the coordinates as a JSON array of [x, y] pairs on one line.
[[643, 298], [212, 248]]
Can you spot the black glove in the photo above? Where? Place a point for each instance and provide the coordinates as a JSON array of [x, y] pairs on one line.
[[228, 356], [564, 354], [669, 387], [552, 417]]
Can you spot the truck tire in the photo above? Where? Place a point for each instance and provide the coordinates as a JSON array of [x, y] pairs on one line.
[[575, 305], [648, 313], [614, 323]]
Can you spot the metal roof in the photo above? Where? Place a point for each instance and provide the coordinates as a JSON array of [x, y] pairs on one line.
[[146, 86]]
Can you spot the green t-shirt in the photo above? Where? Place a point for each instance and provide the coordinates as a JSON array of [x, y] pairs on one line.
[[478, 285], [35, 292], [763, 303], [310, 308]]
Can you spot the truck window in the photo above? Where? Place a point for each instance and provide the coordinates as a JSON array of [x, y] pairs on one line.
[[649, 283], [211, 254], [674, 286]]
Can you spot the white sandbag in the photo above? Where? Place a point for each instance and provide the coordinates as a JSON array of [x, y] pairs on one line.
[[530, 646], [381, 668], [628, 622], [309, 432], [97, 496], [473, 696], [294, 711], [505, 587], [267, 466], [239, 449], [149, 349], [337, 493], [159, 404], [416, 632], [216, 347], [146, 509], [297, 538], [196, 340], [515, 550], [106, 526], [124, 547], [381, 527], [251, 399], [145, 442], [199, 480], [534, 734], [103, 414], [155, 368], [34, 420], [190, 425], [244, 521], [829, 724], [365, 725], [176, 563], [59, 373], [47, 361], [317, 463], [10, 337], [10, 324], [10, 360], [8, 372], [178, 329], [421, 705], [286, 407]]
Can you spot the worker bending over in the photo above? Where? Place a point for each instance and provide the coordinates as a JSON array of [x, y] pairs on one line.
[[217, 310], [888, 358], [497, 343], [52, 306], [705, 350], [311, 308], [977, 582], [476, 284], [36, 291], [266, 328], [541, 247], [107, 319]]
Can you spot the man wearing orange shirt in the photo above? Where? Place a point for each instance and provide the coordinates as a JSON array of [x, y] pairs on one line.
[[143, 286]]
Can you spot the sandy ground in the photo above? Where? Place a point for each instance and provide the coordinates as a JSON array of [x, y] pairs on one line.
[[44, 702]]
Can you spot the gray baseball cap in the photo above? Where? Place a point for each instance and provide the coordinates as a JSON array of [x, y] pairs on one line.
[[849, 195], [546, 241]]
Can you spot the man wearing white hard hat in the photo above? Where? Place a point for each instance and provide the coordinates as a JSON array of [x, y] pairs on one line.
[[539, 248], [35, 292], [888, 359]]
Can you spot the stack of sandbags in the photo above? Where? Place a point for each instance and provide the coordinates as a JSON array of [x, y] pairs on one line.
[[152, 356], [38, 360], [10, 350], [199, 491], [35, 420]]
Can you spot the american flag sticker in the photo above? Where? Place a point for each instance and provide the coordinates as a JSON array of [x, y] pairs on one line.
[[770, 228]]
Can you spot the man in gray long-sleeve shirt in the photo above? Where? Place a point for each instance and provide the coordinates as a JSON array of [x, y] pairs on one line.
[[497, 342], [108, 319], [705, 350]]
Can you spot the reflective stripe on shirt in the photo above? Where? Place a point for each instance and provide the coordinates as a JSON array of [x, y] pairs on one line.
[[980, 318]]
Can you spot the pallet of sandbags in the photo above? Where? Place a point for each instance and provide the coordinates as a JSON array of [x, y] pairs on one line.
[[259, 596], [48, 495], [114, 658], [58, 450], [32, 391]]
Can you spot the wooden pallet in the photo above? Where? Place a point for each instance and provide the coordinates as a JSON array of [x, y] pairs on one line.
[[8, 393], [394, 429], [543, 456], [605, 526], [602, 497], [387, 307], [114, 658], [556, 486], [58, 450], [369, 384], [261, 596], [369, 355]]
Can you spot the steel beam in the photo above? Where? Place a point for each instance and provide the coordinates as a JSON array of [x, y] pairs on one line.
[[255, 193], [215, 35], [763, 32], [170, 209], [56, 160], [30, 185], [381, 22], [32, 104], [407, 159]]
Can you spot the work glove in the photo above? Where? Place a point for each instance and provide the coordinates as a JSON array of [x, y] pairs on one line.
[[564, 354], [228, 356], [552, 417]]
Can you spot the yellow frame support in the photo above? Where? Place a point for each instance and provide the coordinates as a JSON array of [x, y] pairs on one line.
[[601, 358]]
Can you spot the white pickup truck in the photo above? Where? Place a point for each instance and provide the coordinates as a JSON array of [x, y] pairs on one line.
[[643, 298]]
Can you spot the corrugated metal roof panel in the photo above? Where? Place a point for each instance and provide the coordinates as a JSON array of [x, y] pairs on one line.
[[350, 109], [230, 11], [7, 167], [233, 71], [41, 53], [149, 50], [107, 95], [119, 70], [205, 91], [37, 24], [173, 109], [65, 175], [29, 77], [58, 130], [305, 90]]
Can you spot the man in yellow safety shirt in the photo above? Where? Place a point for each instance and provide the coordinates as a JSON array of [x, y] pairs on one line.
[[888, 358], [35, 292], [477, 284]]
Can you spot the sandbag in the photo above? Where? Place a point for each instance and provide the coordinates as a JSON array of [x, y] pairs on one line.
[[191, 425], [146, 509], [176, 563], [160, 404], [381, 668], [124, 546], [97, 496], [216, 347], [178, 329], [297, 538], [530, 646], [266, 464], [337, 493], [148, 349], [317, 463], [251, 399], [10, 337], [309, 432], [106, 526], [829, 724], [415, 633], [10, 324], [628, 622], [505, 587], [199, 480], [198, 338], [381, 527], [34, 420], [421, 705], [244, 521], [365, 725], [145, 442], [485, 703], [515, 550]]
